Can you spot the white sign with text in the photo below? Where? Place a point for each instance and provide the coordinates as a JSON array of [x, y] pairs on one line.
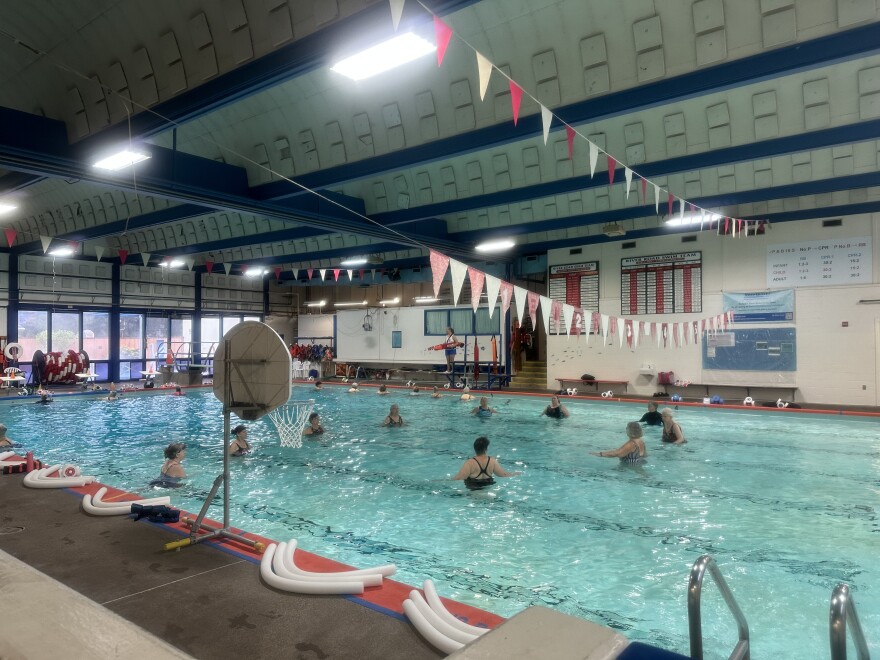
[[817, 263]]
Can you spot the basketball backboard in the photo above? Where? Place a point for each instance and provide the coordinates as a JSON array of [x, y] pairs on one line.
[[258, 364]]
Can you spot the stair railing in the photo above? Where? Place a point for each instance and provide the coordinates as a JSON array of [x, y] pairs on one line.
[[843, 615], [695, 624]]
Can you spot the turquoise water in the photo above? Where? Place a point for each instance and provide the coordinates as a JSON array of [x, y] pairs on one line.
[[787, 504]]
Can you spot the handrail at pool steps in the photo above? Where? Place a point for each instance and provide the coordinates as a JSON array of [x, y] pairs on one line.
[[695, 624], [843, 615]]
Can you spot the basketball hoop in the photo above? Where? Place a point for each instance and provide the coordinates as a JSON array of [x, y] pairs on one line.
[[290, 420]]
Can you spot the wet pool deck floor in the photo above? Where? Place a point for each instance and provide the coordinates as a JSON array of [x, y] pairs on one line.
[[207, 602]]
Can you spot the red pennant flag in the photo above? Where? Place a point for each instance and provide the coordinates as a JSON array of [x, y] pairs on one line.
[[439, 266], [555, 311], [664, 333], [361, 273], [594, 323], [277, 273], [506, 294], [336, 274], [726, 224], [532, 300], [611, 165], [612, 328], [123, 255], [569, 134], [675, 334], [644, 191], [515, 99], [443, 34], [739, 226], [690, 208], [628, 325], [669, 201], [10, 235], [309, 272]]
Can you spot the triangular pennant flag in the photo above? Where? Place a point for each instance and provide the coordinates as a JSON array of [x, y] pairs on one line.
[[361, 274], [309, 272], [628, 175], [621, 331], [277, 270], [533, 300], [146, 257], [546, 120], [476, 277], [740, 224], [546, 310], [577, 321], [644, 191], [556, 311], [443, 34], [190, 263], [594, 158], [295, 272], [459, 271], [568, 316], [636, 333], [484, 67], [612, 165], [373, 273], [670, 198], [506, 293], [99, 252], [605, 320], [46, 241], [322, 272], [336, 272], [10, 232], [493, 286], [676, 334], [726, 224], [681, 204], [702, 326], [520, 295], [664, 333], [569, 135], [656, 198], [396, 12], [227, 266], [702, 218], [209, 265], [439, 265], [515, 100], [350, 272]]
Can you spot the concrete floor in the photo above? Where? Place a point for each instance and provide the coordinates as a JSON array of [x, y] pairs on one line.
[[202, 600]]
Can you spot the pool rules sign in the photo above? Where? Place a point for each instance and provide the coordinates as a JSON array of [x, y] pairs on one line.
[[819, 263]]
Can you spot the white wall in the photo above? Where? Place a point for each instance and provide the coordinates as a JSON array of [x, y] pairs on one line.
[[835, 364]]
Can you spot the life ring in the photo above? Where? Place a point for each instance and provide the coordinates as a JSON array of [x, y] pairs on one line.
[[748, 401], [70, 471], [311, 378], [571, 391], [459, 384], [13, 351], [410, 383], [608, 394], [781, 404], [446, 386]]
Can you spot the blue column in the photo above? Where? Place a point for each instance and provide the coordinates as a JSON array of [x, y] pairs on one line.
[[115, 304], [197, 319], [12, 307]]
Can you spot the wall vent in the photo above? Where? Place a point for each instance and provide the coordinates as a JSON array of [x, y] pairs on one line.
[[532, 258], [837, 222], [576, 251], [628, 245], [688, 239]]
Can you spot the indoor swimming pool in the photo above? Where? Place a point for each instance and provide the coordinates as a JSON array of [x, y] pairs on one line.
[[786, 503]]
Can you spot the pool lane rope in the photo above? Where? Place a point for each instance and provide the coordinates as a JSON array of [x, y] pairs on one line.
[[95, 505], [435, 623]]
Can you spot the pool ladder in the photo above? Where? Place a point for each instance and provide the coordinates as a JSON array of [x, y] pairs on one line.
[[842, 616], [695, 624]]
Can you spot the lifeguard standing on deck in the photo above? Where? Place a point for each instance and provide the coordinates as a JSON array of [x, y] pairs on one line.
[[451, 343]]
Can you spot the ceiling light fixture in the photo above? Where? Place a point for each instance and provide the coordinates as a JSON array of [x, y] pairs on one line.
[[497, 245], [120, 160], [350, 304], [61, 252], [255, 271], [392, 301], [316, 303], [424, 300], [384, 56], [7, 208], [174, 263], [691, 219], [353, 261]]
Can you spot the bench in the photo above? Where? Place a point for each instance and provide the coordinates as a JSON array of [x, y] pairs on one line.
[[702, 390], [594, 382]]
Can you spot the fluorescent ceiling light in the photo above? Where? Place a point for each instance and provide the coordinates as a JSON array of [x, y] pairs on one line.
[[175, 263], [255, 271], [6, 207], [353, 261], [496, 245], [691, 219], [393, 301], [61, 252], [423, 300], [124, 158], [350, 304], [316, 303], [384, 56]]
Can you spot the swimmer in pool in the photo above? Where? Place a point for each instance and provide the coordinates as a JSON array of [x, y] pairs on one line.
[[393, 418], [652, 417], [172, 472], [466, 394], [353, 388], [436, 393], [415, 391], [477, 471], [671, 429], [382, 390], [314, 427], [6, 443], [631, 451], [555, 409], [319, 385], [483, 410], [178, 391], [239, 446]]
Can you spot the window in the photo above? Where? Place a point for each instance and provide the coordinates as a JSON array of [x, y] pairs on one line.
[[65, 332], [396, 339], [181, 335], [230, 322], [33, 332], [210, 332], [96, 335], [436, 321], [131, 336], [484, 325], [463, 321], [157, 341]]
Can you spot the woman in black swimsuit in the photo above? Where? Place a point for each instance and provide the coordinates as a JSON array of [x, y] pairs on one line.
[[671, 429], [393, 418], [555, 409], [477, 471], [314, 427], [239, 446]]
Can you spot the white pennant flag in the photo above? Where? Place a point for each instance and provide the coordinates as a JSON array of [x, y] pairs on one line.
[[659, 335], [227, 266], [493, 286], [396, 12], [628, 175], [621, 327], [546, 308], [568, 317], [656, 198], [520, 296], [46, 241], [322, 271], [588, 325], [459, 271], [605, 320], [680, 335], [146, 257], [546, 120], [373, 273], [99, 252], [295, 272], [190, 263], [350, 272], [484, 67], [681, 209], [636, 328], [702, 218], [594, 157]]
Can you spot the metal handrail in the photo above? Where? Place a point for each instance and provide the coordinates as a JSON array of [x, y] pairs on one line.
[[842, 615], [695, 624]]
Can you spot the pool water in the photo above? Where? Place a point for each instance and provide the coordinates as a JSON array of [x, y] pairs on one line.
[[786, 503]]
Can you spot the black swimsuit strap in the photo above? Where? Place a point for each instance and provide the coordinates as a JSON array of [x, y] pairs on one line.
[[482, 468]]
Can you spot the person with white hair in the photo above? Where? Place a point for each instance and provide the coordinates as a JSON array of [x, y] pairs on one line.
[[353, 388], [671, 429], [631, 451], [466, 394]]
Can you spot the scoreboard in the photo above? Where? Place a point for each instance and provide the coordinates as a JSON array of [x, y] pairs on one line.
[[662, 284]]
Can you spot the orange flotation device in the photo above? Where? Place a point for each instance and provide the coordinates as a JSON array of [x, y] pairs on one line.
[[476, 361], [440, 347], [494, 355]]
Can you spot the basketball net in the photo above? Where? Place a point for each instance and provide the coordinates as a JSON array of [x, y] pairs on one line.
[[290, 420]]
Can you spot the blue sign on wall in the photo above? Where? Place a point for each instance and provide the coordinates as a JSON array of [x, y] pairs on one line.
[[758, 349], [761, 306]]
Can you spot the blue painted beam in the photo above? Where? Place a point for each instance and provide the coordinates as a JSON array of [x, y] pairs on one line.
[[15, 181], [305, 54], [823, 51]]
